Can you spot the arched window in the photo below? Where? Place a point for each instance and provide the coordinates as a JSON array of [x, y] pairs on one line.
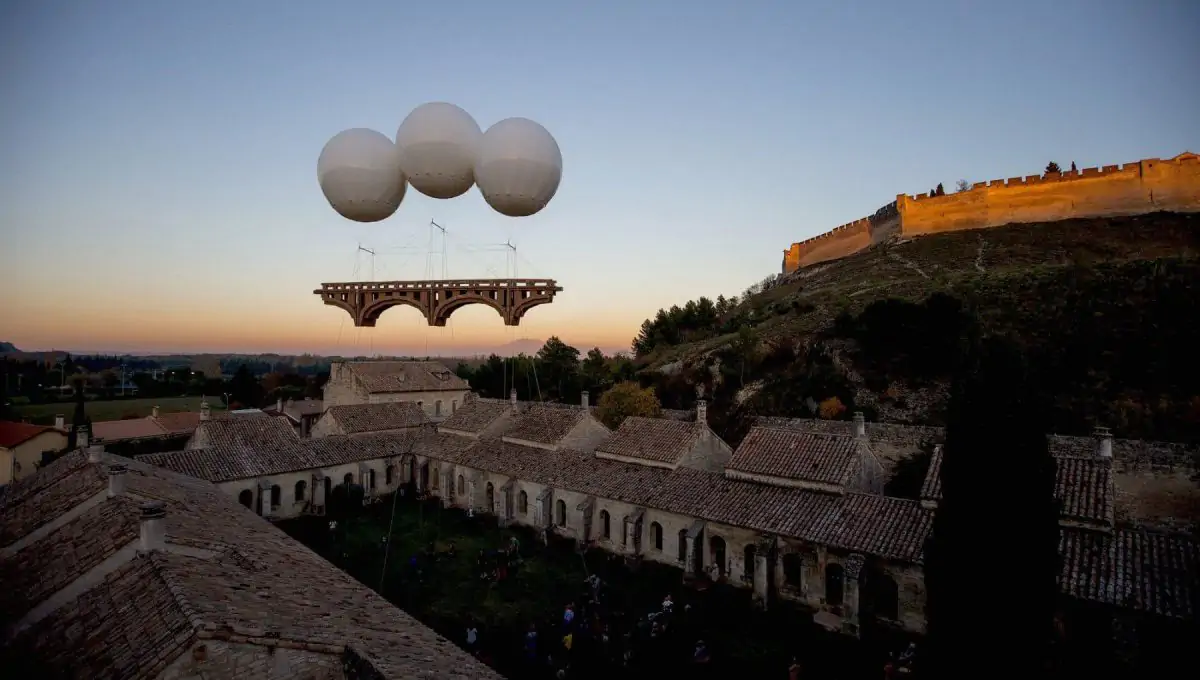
[[833, 584], [490, 492], [605, 525], [371, 478], [300, 489], [793, 568], [561, 512], [885, 596], [388, 474], [437, 407], [682, 547], [348, 480], [656, 535], [748, 561], [717, 544], [276, 496], [462, 485], [246, 498], [523, 503]]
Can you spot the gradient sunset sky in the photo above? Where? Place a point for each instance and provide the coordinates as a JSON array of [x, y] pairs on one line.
[[158, 183]]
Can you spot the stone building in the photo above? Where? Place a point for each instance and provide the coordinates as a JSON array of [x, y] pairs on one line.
[[428, 383], [114, 568], [365, 418], [301, 414], [22, 447], [796, 513]]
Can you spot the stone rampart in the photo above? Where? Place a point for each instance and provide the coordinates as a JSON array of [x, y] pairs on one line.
[[1149, 185]]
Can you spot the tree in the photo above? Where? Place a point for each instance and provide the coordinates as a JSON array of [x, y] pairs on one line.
[[558, 370], [243, 388], [995, 456], [80, 415], [962, 185], [595, 369], [831, 408], [1052, 168], [745, 347], [627, 399], [940, 190], [1073, 168]]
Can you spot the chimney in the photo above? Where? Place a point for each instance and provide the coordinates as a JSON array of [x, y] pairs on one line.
[[512, 398], [860, 424], [702, 411], [95, 451], [116, 479], [154, 528], [154, 413], [60, 422], [583, 399], [1103, 442], [204, 411], [81, 437], [279, 404]]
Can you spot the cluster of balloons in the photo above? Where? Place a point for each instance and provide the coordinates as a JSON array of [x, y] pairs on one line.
[[440, 150]]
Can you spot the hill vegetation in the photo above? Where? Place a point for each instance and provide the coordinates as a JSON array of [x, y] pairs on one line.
[[1104, 309]]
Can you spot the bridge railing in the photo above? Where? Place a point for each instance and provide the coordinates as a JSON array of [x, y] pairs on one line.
[[375, 286]]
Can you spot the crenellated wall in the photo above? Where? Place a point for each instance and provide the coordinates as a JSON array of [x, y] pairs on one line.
[[1146, 186]]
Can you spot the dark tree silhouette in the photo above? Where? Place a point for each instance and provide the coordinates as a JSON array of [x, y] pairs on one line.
[[1052, 168], [940, 190], [995, 535], [1073, 169]]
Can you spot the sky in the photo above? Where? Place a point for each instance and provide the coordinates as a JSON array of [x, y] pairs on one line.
[[158, 187]]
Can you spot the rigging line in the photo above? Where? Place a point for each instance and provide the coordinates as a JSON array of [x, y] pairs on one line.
[[342, 324]]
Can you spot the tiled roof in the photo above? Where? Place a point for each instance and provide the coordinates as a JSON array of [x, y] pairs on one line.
[[651, 439], [1138, 570], [1082, 486], [405, 376], [43, 496], [477, 415], [396, 415], [184, 422], [545, 423], [241, 577], [133, 428], [1084, 489], [876, 432], [308, 407], [1129, 453], [796, 454], [14, 434]]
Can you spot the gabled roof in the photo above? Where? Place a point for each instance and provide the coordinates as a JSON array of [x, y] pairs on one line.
[[653, 440], [224, 573], [132, 428], [1138, 570], [14, 434], [797, 455], [476, 415], [379, 377], [358, 418], [546, 423]]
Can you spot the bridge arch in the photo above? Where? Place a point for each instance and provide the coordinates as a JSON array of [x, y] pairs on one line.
[[370, 314]]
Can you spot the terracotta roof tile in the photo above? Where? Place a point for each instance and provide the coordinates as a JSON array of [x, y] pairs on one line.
[[1084, 489], [133, 428], [184, 422], [247, 579], [44, 496], [545, 423], [477, 415], [307, 407], [796, 454], [891, 433], [405, 376], [358, 418], [14, 434], [1132, 569], [652, 439]]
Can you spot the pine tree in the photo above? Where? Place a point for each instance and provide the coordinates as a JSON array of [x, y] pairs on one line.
[[1052, 168], [1073, 169], [992, 560], [941, 190]]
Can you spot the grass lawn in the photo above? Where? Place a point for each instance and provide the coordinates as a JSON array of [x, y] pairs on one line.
[[114, 409], [448, 593]]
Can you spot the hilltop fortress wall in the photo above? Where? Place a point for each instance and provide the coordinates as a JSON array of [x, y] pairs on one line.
[[1146, 186]]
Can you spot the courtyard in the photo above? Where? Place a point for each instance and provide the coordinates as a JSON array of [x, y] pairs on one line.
[[435, 564]]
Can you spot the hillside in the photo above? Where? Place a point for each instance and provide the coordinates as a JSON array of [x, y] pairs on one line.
[[1106, 309]]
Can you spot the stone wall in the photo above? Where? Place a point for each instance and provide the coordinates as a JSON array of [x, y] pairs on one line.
[[342, 389], [1146, 186], [219, 659]]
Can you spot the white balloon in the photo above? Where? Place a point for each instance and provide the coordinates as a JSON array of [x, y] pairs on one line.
[[360, 175], [437, 144], [518, 168]]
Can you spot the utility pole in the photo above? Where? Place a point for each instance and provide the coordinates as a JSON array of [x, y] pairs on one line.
[[445, 256]]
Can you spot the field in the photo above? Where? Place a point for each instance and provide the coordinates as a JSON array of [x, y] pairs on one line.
[[114, 409], [448, 593]]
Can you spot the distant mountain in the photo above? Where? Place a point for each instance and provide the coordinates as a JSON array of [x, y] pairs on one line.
[[8, 347]]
